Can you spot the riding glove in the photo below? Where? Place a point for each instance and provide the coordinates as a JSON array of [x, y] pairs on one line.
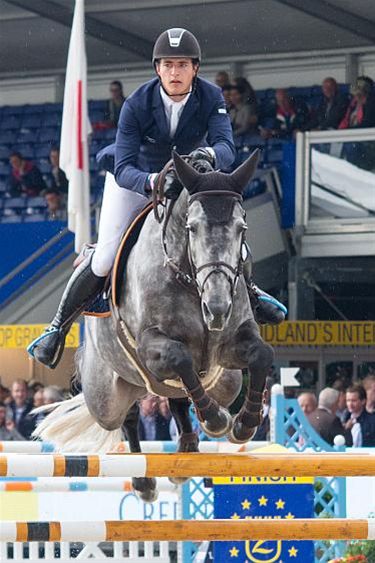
[[203, 153]]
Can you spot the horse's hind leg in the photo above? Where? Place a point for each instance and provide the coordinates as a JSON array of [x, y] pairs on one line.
[[171, 359], [144, 486], [250, 349]]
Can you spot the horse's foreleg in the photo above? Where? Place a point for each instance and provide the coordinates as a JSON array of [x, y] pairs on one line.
[[171, 359], [251, 350], [144, 486], [188, 440]]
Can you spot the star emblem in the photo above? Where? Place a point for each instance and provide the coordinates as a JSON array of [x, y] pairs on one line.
[[234, 552], [246, 504], [289, 516], [280, 504], [262, 501], [235, 516], [293, 551]]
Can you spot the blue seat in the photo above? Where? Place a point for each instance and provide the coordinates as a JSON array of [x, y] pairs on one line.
[[42, 150], [110, 134], [96, 115], [31, 121], [8, 137], [11, 219], [4, 152], [97, 105], [37, 202], [35, 218], [33, 109], [10, 122], [274, 156], [49, 135], [4, 168], [27, 150], [27, 136], [3, 189], [93, 164], [51, 120], [13, 110], [15, 203]]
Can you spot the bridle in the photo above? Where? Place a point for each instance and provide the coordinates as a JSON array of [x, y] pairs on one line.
[[190, 280]]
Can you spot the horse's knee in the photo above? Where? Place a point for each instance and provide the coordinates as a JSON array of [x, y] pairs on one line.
[[168, 359], [262, 356]]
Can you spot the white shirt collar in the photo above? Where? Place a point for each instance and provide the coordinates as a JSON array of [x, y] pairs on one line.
[[168, 102]]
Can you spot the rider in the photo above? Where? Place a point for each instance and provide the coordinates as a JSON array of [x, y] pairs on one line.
[[174, 111]]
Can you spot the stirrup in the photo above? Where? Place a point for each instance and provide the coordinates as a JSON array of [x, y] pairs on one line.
[[273, 301], [47, 332], [60, 346]]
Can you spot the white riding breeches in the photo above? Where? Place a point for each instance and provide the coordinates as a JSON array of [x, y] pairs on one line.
[[119, 208]]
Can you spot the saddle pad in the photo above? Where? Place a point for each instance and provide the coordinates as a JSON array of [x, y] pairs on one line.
[[101, 306]]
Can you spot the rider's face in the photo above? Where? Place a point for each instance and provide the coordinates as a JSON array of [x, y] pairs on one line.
[[176, 75]]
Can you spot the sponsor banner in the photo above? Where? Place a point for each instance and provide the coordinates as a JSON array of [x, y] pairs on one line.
[[320, 333], [19, 336]]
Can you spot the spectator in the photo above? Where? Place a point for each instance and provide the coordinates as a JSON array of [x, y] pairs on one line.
[[291, 116], [249, 92], [5, 396], [8, 429], [222, 79], [59, 180], [227, 96], [342, 411], [324, 419], [25, 178], [331, 109], [369, 385], [359, 421], [307, 401], [244, 116], [361, 110], [164, 420], [152, 426], [52, 394], [114, 103], [20, 407], [263, 431], [56, 207]]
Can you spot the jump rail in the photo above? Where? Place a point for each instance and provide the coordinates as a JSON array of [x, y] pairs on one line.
[[69, 485], [150, 446], [188, 465], [189, 530]]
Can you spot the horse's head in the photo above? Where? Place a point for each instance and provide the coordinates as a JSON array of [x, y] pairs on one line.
[[216, 227]]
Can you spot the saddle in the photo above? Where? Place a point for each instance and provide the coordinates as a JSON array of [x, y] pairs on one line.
[[101, 306]]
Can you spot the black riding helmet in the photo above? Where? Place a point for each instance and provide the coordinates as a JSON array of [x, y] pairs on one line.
[[176, 43]]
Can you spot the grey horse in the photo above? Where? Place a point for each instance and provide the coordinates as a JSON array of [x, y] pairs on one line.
[[187, 311]]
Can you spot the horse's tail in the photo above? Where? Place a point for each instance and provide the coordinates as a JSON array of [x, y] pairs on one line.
[[71, 428]]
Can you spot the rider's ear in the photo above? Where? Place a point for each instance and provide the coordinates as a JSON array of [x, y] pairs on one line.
[[187, 175], [243, 174]]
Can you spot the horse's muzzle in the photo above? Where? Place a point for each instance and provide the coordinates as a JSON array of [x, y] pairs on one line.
[[216, 314]]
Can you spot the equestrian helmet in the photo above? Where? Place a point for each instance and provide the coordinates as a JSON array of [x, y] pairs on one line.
[[176, 43]]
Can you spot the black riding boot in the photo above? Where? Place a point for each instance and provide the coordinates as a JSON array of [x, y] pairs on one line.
[[266, 309], [83, 287]]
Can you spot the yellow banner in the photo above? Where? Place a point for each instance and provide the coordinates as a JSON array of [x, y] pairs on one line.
[[320, 333], [19, 336], [262, 480]]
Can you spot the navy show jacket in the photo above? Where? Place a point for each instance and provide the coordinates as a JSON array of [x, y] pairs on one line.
[[143, 144]]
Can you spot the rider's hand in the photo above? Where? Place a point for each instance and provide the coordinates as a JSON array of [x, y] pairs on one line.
[[203, 153], [172, 186]]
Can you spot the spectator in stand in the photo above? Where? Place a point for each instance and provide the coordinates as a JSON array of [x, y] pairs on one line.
[[20, 407], [114, 103], [164, 420], [307, 401], [292, 115], [5, 396], [222, 79], [342, 411], [52, 394], [25, 178], [359, 421], [8, 429], [324, 419], [331, 109], [369, 385], [56, 206], [152, 426], [360, 114], [249, 92], [263, 430], [243, 115], [59, 181], [227, 96]]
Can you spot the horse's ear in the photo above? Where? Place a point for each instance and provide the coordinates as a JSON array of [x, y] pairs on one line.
[[187, 175], [243, 174]]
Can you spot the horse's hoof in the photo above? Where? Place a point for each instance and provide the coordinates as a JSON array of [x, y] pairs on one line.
[[240, 434], [145, 488], [218, 426], [178, 480]]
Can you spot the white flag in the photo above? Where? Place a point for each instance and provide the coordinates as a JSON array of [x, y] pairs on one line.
[[74, 159]]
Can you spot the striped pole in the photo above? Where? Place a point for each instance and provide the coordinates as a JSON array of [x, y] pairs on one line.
[[188, 465], [189, 530], [151, 446], [69, 485]]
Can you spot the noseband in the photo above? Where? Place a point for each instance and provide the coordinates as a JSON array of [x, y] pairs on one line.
[[218, 267]]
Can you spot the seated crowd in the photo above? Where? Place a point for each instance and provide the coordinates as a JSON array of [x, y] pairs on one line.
[[271, 116], [339, 410]]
